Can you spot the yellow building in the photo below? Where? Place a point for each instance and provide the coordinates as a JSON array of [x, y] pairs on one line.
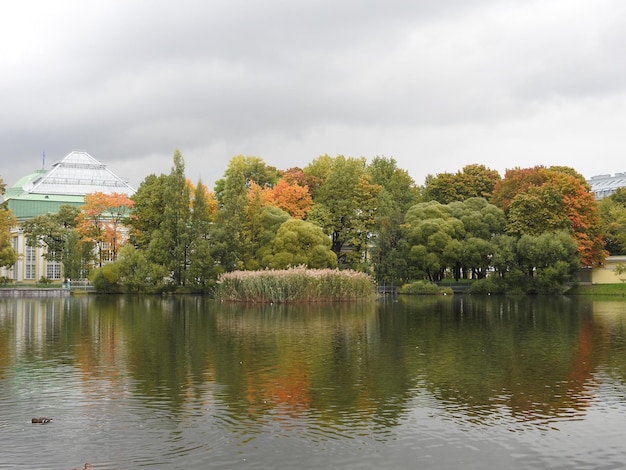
[[606, 274]]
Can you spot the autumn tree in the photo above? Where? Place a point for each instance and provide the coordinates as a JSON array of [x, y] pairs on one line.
[[101, 222], [547, 199], [290, 197]]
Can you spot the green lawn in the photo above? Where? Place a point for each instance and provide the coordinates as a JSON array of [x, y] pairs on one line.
[[599, 289]]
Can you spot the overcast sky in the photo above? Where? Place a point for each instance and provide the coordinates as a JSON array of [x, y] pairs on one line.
[[436, 85]]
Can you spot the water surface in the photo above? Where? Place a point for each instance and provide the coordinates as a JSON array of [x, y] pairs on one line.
[[166, 383]]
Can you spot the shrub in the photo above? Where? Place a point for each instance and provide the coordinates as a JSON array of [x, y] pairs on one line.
[[424, 288], [106, 279]]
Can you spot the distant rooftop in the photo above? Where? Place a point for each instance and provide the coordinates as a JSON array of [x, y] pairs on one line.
[[77, 174], [67, 182], [604, 185]]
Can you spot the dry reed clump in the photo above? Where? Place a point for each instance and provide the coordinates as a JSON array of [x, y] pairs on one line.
[[295, 285]]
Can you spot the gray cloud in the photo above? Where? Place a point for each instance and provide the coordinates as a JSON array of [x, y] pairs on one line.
[[436, 85]]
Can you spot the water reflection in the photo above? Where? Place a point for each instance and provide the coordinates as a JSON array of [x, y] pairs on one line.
[[172, 380]]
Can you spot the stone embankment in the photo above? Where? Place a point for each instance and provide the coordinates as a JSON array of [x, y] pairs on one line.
[[33, 292]]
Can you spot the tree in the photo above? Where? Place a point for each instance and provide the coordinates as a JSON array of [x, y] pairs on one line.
[[229, 241], [170, 243], [612, 213], [550, 260], [290, 197], [346, 207], [56, 232], [397, 195], [267, 222], [473, 181], [552, 199], [8, 257], [299, 243], [396, 182], [202, 269], [148, 209], [136, 274], [249, 169], [100, 223], [432, 234]]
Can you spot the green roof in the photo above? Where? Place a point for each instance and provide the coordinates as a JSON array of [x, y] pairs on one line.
[[27, 206]]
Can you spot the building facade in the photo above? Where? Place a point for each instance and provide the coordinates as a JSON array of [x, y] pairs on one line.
[[44, 192], [604, 185]]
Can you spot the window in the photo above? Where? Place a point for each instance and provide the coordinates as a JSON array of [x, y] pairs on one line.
[[30, 265], [53, 270]]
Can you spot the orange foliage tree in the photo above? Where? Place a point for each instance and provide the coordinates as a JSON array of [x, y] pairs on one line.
[[290, 197], [539, 199], [101, 221]]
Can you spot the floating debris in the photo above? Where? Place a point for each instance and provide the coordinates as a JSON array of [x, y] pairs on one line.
[[41, 420]]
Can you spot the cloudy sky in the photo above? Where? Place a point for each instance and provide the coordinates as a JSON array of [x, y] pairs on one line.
[[437, 85]]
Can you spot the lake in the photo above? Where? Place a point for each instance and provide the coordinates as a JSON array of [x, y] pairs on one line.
[[421, 382]]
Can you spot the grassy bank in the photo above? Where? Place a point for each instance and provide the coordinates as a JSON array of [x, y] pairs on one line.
[[295, 285], [599, 289]]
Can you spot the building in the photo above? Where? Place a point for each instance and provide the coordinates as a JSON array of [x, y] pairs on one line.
[[607, 274], [44, 192], [604, 185]]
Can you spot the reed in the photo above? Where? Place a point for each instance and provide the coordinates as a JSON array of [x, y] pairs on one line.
[[295, 285]]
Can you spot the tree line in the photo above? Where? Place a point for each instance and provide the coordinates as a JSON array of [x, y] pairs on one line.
[[528, 231]]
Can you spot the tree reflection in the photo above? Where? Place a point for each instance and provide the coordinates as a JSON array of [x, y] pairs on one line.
[[333, 366]]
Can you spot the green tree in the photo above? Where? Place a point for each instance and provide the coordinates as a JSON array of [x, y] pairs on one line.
[[136, 274], [8, 257], [56, 232], [148, 210], [345, 206], [612, 213], [394, 181], [550, 260], [482, 222], [250, 169], [399, 192], [202, 270], [170, 243], [472, 181], [504, 258], [432, 235], [299, 243], [229, 240], [268, 222]]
